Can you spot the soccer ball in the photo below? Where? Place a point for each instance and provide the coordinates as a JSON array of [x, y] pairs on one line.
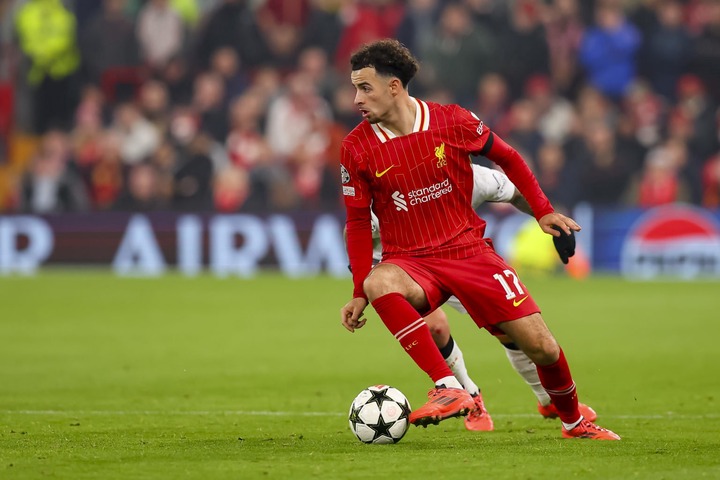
[[379, 414]]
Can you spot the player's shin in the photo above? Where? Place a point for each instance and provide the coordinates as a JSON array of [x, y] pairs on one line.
[[558, 382], [409, 328], [527, 370]]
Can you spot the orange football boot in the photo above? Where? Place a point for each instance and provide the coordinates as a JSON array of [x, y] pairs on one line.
[[587, 429], [549, 411], [443, 403], [479, 419]]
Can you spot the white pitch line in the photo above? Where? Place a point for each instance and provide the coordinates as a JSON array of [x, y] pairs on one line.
[[265, 413]]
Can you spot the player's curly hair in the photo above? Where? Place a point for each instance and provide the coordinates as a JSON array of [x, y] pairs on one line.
[[389, 57]]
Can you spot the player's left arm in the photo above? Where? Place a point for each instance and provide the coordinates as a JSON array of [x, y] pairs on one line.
[[563, 223], [515, 167], [477, 139], [518, 201], [555, 222], [494, 186]]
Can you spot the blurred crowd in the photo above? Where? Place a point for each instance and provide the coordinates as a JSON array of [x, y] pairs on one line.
[[241, 105]]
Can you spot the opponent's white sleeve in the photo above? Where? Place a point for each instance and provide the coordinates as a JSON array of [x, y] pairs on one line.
[[377, 245], [490, 186]]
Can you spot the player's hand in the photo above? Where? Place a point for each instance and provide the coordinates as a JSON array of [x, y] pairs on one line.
[[552, 220], [351, 314]]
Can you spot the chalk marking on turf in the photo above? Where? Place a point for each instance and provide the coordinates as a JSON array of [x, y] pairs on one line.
[[266, 413]]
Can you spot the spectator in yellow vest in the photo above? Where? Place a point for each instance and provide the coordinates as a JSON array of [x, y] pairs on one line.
[[46, 36]]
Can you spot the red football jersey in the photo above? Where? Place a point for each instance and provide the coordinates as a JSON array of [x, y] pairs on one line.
[[420, 184]]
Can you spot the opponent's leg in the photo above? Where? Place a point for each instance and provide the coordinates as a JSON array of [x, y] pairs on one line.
[[525, 367], [440, 330]]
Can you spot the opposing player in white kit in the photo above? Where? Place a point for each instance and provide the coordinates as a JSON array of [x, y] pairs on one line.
[[489, 186]]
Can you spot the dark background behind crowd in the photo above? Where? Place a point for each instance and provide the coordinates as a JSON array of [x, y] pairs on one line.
[[241, 105]]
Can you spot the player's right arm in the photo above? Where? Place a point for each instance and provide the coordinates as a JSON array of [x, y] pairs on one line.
[[359, 247], [356, 193]]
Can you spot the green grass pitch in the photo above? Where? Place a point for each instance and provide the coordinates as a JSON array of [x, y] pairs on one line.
[[116, 378]]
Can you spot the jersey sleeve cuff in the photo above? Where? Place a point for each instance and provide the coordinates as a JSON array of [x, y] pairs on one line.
[[357, 294]]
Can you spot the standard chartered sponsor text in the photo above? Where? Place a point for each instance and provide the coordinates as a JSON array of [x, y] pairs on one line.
[[433, 192]]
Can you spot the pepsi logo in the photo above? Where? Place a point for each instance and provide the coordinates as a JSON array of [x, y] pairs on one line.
[[673, 241]]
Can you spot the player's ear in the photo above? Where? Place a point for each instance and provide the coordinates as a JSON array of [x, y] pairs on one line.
[[395, 86]]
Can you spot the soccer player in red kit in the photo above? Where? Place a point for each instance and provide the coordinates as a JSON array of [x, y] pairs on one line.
[[409, 160]]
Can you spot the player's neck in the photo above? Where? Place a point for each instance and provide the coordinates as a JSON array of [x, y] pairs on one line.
[[402, 119]]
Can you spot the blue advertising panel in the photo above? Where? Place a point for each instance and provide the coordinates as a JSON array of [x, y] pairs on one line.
[[148, 244]]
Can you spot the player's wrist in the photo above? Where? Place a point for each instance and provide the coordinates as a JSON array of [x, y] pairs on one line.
[[359, 294], [542, 213]]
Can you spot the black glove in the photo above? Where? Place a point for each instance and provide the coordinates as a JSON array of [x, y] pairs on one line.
[[564, 244]]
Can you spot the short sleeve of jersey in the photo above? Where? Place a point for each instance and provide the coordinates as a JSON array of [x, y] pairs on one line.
[[473, 132], [490, 186], [355, 189]]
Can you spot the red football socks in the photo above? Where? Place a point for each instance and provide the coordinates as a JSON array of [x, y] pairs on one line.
[[409, 328], [558, 383]]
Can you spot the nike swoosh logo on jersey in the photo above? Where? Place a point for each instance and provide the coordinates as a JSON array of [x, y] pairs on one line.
[[380, 174], [516, 303]]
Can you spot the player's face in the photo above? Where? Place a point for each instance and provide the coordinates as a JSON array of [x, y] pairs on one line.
[[373, 94]]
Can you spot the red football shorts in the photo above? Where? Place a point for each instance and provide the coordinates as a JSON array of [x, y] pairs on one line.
[[488, 288]]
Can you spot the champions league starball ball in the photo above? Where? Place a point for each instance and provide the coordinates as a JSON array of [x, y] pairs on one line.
[[379, 414]]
